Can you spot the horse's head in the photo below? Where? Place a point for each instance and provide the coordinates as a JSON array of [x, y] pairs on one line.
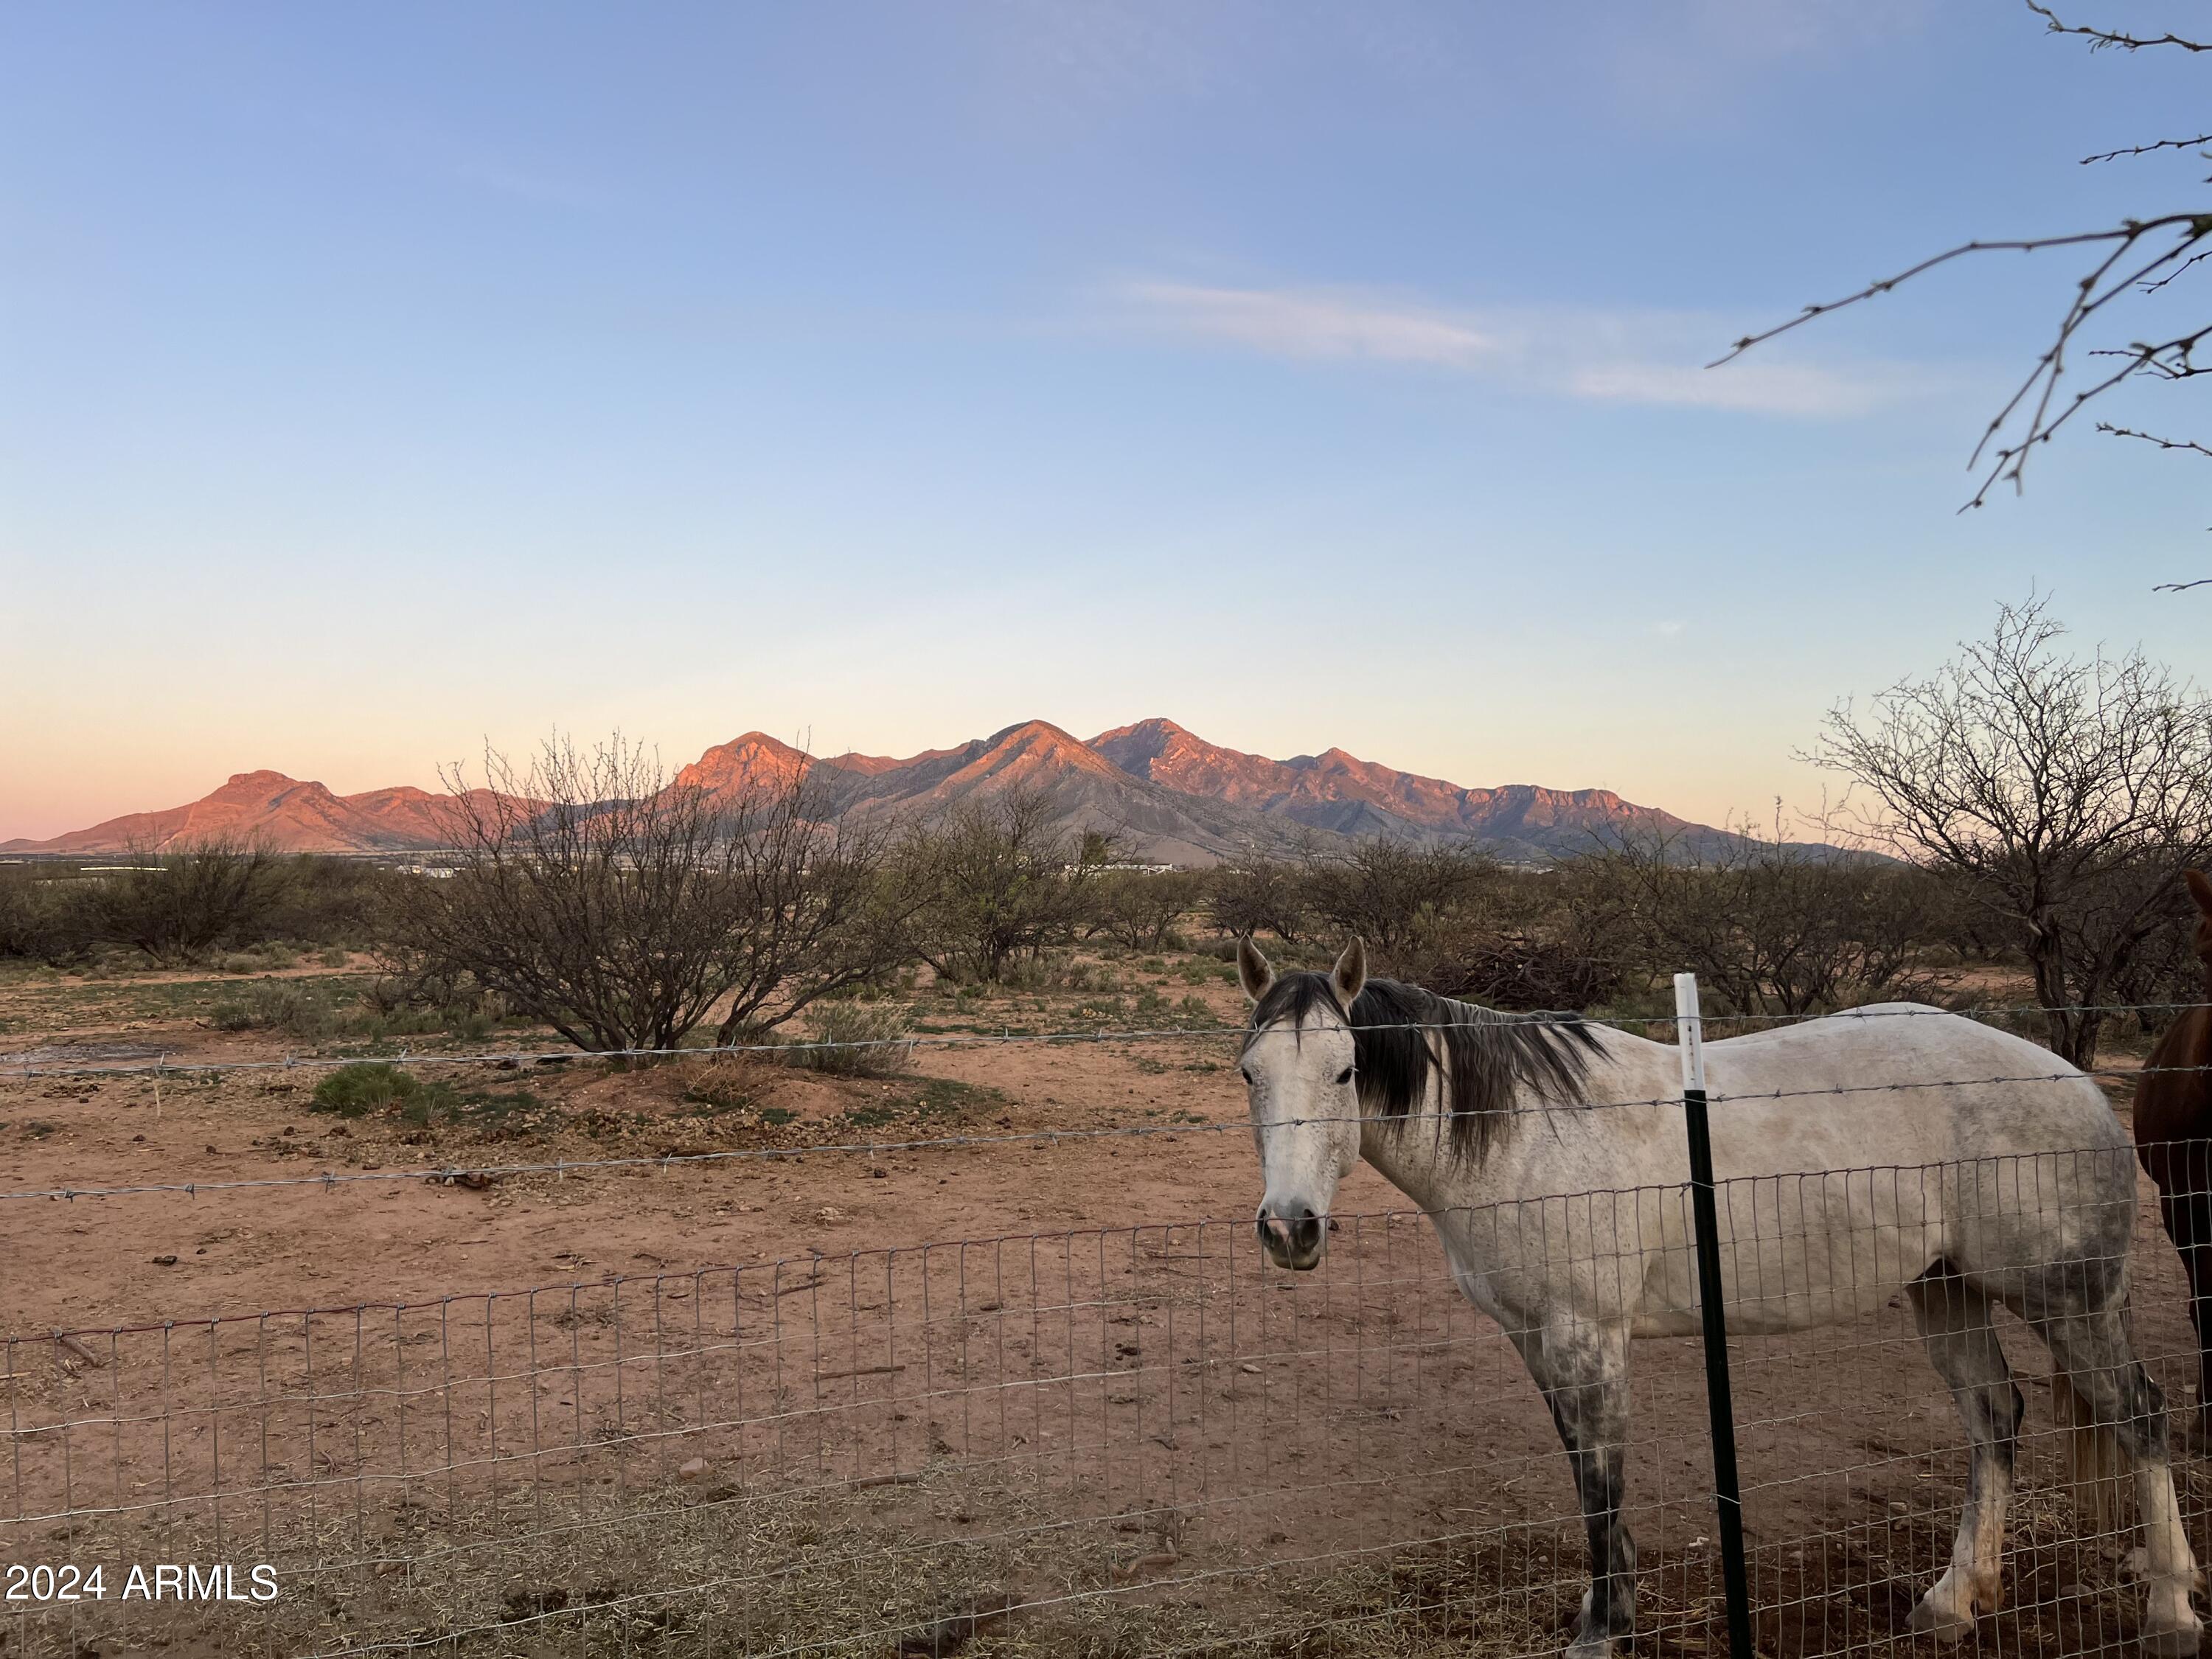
[[1297, 1066], [2200, 889]]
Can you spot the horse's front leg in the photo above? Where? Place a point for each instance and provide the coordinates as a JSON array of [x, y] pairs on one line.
[[1583, 1369]]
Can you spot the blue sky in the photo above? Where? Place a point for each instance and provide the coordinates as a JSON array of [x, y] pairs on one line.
[[380, 380]]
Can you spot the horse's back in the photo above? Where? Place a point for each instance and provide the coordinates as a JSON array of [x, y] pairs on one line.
[[1912, 1139], [1856, 1154], [1897, 1084]]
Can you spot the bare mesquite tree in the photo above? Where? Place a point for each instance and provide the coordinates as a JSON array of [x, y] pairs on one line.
[[1771, 926], [2066, 791], [1139, 909], [997, 881], [623, 907], [2118, 321], [1396, 896], [178, 904], [1258, 893]]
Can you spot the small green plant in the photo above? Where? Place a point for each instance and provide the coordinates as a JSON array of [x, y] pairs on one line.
[[502, 1114], [368, 1086], [334, 958], [776, 1116], [941, 1095], [276, 1005]]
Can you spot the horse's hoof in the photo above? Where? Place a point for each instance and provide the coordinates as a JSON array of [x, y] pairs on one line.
[[2179, 1640], [1941, 1623]]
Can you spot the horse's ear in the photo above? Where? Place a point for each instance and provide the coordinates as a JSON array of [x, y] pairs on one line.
[[2199, 889], [1349, 977], [1253, 969]]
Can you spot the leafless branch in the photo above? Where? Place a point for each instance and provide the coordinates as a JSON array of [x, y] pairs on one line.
[[2115, 275], [2148, 150], [2153, 438], [2100, 39]]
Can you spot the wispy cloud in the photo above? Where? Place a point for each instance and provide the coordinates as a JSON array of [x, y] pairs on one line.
[[1619, 356], [1286, 323]]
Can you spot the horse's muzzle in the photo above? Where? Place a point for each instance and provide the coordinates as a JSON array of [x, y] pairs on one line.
[[1294, 1239]]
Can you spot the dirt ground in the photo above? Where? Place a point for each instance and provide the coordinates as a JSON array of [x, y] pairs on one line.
[[1038, 1394]]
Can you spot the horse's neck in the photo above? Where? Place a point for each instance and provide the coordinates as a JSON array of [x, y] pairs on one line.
[[1416, 1156]]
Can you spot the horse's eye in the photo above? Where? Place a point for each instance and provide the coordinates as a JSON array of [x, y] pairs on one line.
[[1343, 1076], [1247, 1072]]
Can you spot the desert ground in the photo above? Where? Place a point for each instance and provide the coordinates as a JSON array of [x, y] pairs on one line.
[[781, 1381]]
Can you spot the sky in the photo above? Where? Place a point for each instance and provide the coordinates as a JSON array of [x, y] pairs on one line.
[[379, 382]]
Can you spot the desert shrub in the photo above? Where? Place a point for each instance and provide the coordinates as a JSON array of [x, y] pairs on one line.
[[278, 1006], [1050, 970], [366, 1086], [1518, 972], [218, 899], [1398, 896], [721, 1084], [2162, 977], [261, 959], [1257, 894], [996, 882], [184, 903], [41, 916], [620, 906], [332, 900], [1768, 926], [1139, 908], [878, 1030]]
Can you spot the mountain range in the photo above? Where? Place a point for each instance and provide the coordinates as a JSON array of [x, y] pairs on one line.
[[1175, 798]]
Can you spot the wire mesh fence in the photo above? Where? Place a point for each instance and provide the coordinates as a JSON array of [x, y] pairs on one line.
[[1147, 1438], [1133, 1440]]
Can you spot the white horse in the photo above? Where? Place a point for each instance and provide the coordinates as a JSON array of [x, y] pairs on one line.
[[1562, 1218]]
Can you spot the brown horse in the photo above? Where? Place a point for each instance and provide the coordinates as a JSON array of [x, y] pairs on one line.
[[2174, 1138]]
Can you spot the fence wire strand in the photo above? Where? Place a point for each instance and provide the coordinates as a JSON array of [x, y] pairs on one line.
[[1140, 1439]]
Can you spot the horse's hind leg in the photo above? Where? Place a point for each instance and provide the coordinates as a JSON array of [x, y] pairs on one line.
[[1954, 1316], [1584, 1373], [2184, 1204], [2122, 1401]]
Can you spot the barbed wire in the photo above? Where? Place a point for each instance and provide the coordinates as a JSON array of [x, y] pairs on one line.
[[562, 1168], [23, 1064]]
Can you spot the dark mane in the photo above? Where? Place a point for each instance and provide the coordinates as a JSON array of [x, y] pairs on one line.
[[1487, 1055]]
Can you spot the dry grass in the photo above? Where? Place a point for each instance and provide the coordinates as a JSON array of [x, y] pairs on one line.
[[946, 1563]]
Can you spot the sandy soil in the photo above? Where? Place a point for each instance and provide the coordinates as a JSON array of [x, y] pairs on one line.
[[822, 1401]]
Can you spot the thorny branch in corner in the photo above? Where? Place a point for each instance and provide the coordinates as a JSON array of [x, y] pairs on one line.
[[2141, 257]]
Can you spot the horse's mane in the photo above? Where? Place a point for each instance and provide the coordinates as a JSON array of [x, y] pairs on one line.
[[1487, 1055]]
